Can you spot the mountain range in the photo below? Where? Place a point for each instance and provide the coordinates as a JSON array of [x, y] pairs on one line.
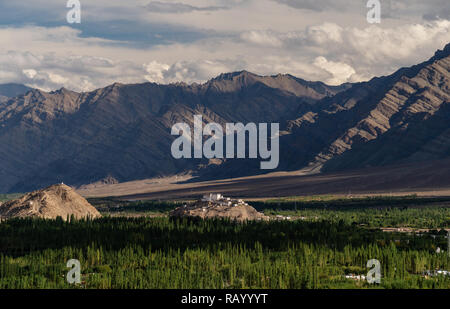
[[123, 131]]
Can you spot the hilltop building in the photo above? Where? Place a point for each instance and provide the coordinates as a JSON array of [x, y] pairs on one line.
[[217, 199], [217, 206]]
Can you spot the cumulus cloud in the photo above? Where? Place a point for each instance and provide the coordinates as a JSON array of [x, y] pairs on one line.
[[192, 41], [188, 71], [79, 73], [353, 53], [155, 71], [326, 52], [340, 72]]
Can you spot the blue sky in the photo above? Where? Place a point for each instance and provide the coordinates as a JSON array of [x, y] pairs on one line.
[[192, 41]]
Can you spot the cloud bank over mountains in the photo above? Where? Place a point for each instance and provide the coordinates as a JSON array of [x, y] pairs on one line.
[[193, 41]]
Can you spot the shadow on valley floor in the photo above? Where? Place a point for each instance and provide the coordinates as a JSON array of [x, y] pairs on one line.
[[427, 179]]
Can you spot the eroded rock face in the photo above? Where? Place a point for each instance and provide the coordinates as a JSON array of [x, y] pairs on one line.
[[209, 210], [52, 202], [394, 119], [124, 130]]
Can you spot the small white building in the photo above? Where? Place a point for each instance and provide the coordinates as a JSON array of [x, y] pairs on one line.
[[355, 277], [212, 197]]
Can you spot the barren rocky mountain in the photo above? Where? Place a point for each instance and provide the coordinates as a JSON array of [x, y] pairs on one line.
[[122, 132], [50, 203], [398, 118], [206, 210], [410, 123]]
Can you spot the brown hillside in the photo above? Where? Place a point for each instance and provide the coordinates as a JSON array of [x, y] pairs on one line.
[[236, 210], [50, 203], [124, 130]]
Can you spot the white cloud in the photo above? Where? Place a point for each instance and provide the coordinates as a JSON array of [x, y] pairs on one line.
[[349, 54], [326, 52], [187, 71], [155, 71], [262, 36], [29, 73], [80, 73], [340, 72]]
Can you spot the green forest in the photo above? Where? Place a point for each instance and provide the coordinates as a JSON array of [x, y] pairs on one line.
[[371, 212], [161, 252]]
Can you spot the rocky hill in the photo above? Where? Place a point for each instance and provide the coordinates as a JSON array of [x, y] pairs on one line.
[[235, 210], [50, 203]]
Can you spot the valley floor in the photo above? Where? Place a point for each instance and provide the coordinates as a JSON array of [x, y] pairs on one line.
[[424, 179]]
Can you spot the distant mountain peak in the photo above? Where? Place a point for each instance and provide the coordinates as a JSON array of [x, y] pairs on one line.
[[442, 53], [63, 91], [36, 93], [235, 75]]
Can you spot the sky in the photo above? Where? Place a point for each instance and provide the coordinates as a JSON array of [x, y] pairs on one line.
[[191, 41]]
